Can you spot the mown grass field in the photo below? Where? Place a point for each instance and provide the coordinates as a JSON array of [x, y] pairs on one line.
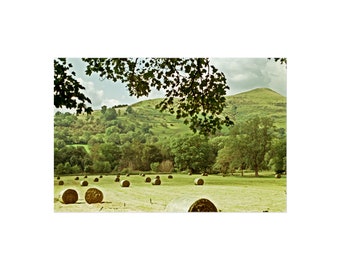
[[229, 194]]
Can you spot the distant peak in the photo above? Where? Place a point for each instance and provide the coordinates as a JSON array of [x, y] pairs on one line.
[[259, 91]]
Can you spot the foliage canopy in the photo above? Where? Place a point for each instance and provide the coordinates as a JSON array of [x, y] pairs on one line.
[[195, 89]]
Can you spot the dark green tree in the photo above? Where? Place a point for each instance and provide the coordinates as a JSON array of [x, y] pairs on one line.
[[278, 154], [250, 142], [110, 114], [67, 90], [103, 110], [192, 153]]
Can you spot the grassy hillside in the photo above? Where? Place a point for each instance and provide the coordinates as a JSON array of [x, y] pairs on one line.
[[157, 126], [261, 102], [258, 102]]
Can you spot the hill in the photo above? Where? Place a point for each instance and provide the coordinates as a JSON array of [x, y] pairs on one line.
[[258, 102], [142, 119]]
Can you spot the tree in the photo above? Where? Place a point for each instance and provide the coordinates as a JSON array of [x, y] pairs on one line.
[[195, 89], [250, 141], [129, 110], [283, 61], [103, 110], [192, 153], [110, 114], [223, 160], [278, 154], [67, 88]]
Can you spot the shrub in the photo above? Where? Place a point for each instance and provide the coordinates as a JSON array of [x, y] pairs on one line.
[[154, 166]]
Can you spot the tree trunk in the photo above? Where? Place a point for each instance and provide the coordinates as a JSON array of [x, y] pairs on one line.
[[256, 171]]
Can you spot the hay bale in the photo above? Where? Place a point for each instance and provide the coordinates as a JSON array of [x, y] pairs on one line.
[[124, 183], [117, 179], [68, 196], [96, 180], [147, 179], [84, 183], [156, 181], [191, 204], [77, 178], [60, 182], [170, 176], [100, 176], [278, 175], [199, 181], [93, 195], [158, 177], [204, 174], [127, 174], [58, 177], [85, 176], [143, 174]]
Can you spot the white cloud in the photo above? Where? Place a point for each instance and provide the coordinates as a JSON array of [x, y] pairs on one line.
[[248, 73], [95, 95], [110, 102]]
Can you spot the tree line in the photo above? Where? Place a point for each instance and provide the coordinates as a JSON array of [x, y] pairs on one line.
[[108, 144]]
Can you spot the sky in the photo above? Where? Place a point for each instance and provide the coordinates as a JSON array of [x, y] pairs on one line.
[[242, 74]]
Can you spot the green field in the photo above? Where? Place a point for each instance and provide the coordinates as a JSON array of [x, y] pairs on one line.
[[229, 193]]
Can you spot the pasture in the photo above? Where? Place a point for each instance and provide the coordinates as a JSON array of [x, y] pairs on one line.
[[229, 194]]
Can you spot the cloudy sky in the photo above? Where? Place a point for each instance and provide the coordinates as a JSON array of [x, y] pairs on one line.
[[242, 74]]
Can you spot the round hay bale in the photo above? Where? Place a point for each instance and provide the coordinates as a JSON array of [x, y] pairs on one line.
[[93, 195], [204, 174], [96, 180], [278, 175], [143, 174], [158, 177], [189, 173], [127, 174], [100, 176], [124, 183], [117, 179], [77, 178], [68, 196], [147, 179], [58, 177], [190, 204], [199, 181], [60, 182], [156, 181], [85, 176], [84, 183], [170, 176]]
